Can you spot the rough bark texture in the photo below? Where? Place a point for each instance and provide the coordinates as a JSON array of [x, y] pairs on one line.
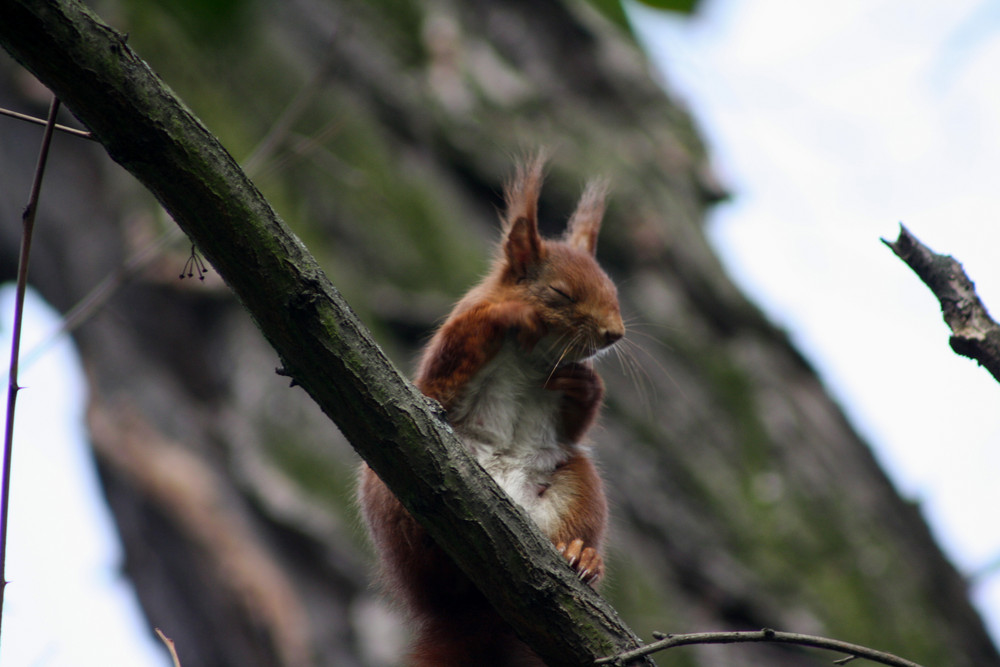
[[741, 496]]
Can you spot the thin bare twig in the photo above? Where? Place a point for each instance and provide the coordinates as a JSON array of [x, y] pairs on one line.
[[169, 643], [28, 225], [300, 150], [853, 651], [83, 134], [282, 127], [975, 334]]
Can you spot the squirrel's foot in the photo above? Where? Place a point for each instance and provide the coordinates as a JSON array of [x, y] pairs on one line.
[[588, 564]]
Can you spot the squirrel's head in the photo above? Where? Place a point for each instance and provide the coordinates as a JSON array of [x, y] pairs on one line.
[[573, 297]]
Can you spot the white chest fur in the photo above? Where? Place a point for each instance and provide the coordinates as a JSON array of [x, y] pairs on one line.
[[509, 421]]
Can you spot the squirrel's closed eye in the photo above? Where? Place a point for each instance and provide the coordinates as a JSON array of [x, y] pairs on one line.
[[562, 293]]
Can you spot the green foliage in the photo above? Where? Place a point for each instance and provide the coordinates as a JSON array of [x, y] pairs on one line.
[[682, 6], [615, 10], [204, 19]]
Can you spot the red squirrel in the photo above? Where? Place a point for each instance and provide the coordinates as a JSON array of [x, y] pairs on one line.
[[512, 367]]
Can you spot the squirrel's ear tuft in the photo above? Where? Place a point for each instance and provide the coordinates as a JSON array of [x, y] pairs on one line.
[[522, 244], [585, 223], [521, 193]]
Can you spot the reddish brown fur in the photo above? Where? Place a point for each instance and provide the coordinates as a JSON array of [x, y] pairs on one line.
[[537, 288]]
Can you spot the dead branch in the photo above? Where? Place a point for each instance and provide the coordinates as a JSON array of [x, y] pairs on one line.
[[974, 333]]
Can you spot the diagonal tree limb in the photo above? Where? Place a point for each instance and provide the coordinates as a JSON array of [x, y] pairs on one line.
[[147, 130], [974, 334]]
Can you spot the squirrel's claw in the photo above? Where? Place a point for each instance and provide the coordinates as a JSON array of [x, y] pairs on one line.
[[588, 564]]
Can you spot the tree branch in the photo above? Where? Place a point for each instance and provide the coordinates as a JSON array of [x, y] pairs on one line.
[[974, 333], [147, 130], [766, 635]]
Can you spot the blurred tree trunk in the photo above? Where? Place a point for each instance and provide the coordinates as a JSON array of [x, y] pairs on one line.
[[742, 498]]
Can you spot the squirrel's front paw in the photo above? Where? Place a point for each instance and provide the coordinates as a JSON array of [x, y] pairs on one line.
[[587, 563], [578, 382]]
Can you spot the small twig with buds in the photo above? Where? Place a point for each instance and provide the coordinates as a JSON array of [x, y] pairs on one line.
[[194, 264]]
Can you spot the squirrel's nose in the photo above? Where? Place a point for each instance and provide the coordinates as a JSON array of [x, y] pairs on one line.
[[612, 336]]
